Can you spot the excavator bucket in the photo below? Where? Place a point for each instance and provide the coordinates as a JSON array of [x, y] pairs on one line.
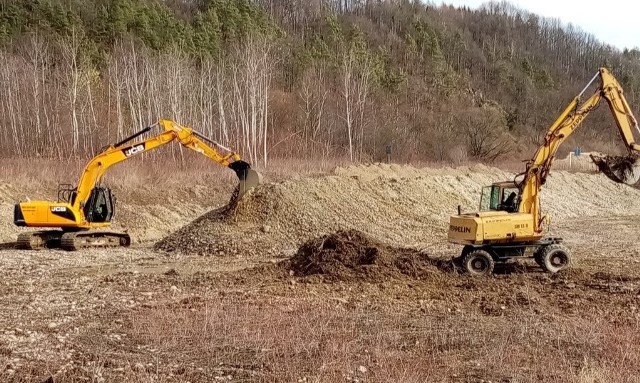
[[248, 177], [623, 169]]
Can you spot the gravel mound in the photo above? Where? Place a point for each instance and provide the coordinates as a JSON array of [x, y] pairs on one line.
[[352, 255], [399, 205]]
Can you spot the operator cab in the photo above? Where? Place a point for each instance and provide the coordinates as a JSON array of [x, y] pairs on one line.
[[100, 206], [501, 196]]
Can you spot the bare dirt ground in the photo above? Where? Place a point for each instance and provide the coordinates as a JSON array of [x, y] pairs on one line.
[[270, 313]]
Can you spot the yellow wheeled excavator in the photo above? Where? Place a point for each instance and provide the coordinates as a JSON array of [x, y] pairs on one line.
[[509, 223], [82, 209]]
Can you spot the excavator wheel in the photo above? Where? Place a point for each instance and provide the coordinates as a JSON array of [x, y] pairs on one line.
[[478, 262], [621, 169], [553, 258], [458, 261]]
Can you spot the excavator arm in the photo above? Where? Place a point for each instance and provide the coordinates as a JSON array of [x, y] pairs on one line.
[[620, 169], [171, 131]]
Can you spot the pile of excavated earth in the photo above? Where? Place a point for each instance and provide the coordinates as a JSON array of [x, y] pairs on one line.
[[352, 255], [402, 206]]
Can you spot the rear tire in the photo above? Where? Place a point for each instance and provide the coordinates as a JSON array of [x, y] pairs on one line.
[[553, 258], [459, 260], [478, 262]]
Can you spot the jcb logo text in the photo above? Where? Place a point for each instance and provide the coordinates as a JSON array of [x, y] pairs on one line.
[[134, 150]]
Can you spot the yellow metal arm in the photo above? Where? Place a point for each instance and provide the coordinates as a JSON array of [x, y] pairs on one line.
[[171, 131], [625, 120], [569, 120]]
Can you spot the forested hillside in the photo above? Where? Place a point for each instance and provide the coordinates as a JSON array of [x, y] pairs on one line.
[[298, 78]]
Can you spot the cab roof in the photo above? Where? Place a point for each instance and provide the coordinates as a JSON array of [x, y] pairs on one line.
[[505, 184]]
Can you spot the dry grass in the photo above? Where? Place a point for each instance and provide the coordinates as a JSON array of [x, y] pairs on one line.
[[279, 336], [324, 341], [158, 170], [40, 177], [133, 172]]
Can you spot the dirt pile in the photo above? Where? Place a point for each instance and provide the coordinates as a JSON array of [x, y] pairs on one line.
[[352, 255], [398, 205]]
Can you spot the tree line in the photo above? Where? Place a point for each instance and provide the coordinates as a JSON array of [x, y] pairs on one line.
[[297, 79]]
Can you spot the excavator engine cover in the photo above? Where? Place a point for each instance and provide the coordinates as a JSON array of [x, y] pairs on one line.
[[622, 169]]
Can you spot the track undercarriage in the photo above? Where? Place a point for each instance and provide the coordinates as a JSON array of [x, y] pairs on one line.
[[72, 240]]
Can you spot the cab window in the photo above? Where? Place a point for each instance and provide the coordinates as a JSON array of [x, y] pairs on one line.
[[490, 199], [495, 198], [510, 200]]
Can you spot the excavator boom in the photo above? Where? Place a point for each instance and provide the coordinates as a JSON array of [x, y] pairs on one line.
[[624, 169], [171, 131]]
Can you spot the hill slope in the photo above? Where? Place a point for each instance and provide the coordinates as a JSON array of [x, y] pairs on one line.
[[300, 78]]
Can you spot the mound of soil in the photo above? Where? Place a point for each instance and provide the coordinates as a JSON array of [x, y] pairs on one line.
[[352, 255]]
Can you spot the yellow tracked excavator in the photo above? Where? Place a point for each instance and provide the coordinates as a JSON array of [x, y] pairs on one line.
[[509, 223], [82, 209]]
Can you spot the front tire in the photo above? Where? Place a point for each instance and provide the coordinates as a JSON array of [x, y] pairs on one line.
[[478, 262], [554, 258]]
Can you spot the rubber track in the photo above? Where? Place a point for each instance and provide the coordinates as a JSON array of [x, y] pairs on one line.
[[73, 241], [38, 240], [24, 241]]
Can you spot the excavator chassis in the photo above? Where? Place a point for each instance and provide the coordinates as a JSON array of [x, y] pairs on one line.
[[88, 205], [549, 253], [72, 240]]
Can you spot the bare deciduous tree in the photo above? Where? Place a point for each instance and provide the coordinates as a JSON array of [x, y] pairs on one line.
[[356, 71], [484, 131]]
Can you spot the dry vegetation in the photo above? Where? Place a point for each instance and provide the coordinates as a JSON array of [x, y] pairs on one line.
[[345, 308], [297, 79]]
